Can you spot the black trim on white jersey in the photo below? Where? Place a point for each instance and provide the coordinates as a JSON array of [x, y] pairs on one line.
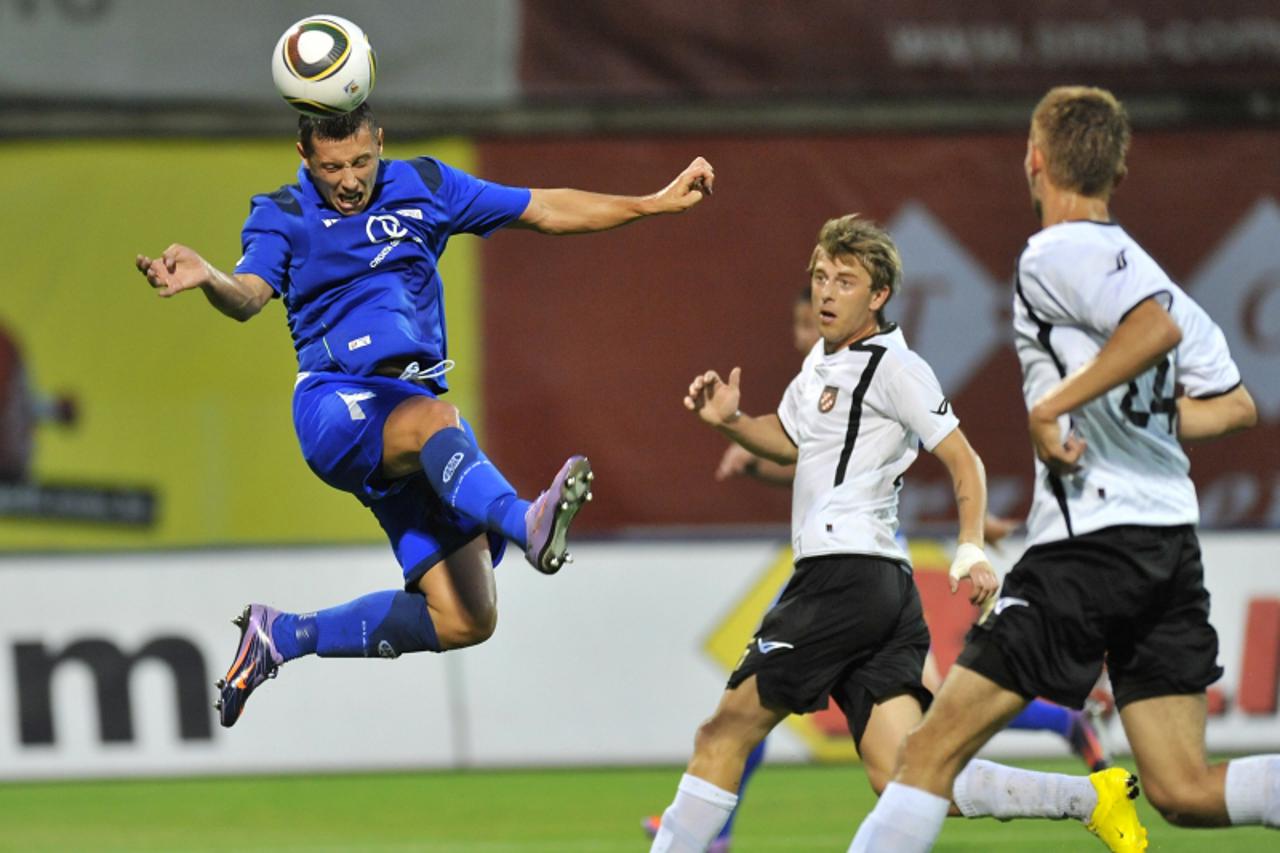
[[1167, 306], [1213, 394], [855, 404], [1043, 331]]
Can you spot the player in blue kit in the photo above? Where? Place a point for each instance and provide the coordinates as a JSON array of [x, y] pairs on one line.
[[352, 249]]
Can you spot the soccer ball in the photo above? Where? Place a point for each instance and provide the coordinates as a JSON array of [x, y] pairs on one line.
[[323, 66]]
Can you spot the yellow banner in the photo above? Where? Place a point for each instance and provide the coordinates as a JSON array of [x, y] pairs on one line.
[[170, 397]]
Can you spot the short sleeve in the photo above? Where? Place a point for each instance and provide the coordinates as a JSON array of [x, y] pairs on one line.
[[476, 206], [788, 411], [1204, 364], [264, 242], [1087, 287], [914, 399]]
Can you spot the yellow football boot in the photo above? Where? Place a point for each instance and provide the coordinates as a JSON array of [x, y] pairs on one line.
[[1114, 819]]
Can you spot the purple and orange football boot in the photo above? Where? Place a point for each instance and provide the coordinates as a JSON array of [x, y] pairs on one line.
[[256, 661], [548, 518], [1085, 738]]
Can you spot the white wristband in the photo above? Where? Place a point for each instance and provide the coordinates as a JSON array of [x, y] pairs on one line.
[[967, 554]]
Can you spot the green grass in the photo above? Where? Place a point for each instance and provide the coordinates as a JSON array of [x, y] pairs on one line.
[[558, 811]]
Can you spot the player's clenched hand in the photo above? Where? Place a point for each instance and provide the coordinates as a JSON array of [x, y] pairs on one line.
[[1060, 457], [690, 187], [714, 400], [179, 268], [970, 562]]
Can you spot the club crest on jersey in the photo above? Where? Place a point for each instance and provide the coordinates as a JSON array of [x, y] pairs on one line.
[[827, 401]]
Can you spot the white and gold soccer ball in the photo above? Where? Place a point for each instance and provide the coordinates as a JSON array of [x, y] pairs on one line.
[[324, 66]]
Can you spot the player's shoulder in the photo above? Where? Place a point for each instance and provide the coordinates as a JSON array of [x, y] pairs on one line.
[[430, 171], [1066, 244], [285, 201], [887, 348]]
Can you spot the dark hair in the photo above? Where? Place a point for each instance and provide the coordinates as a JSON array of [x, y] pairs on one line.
[[342, 126]]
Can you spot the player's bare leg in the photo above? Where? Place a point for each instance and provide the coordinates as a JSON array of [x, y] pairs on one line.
[[936, 765], [705, 796], [967, 712], [887, 729], [1167, 736], [462, 597]]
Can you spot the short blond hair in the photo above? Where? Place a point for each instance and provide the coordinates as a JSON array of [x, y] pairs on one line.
[[855, 236], [1084, 134]]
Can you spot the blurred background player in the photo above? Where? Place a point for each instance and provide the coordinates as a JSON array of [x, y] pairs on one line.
[[1104, 337], [22, 409], [1080, 729], [352, 248], [849, 627]]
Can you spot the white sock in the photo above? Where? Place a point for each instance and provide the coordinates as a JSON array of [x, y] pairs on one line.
[[695, 818], [906, 820], [987, 789], [1253, 790]]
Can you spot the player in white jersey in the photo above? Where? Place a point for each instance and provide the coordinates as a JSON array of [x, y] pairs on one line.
[[849, 626], [1114, 570]]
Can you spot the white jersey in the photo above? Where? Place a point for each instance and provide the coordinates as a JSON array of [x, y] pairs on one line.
[[858, 416], [1075, 282]]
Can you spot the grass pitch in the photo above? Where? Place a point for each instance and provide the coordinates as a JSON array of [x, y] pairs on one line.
[[788, 808]]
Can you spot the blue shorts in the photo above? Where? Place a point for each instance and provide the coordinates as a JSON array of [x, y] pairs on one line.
[[339, 420]]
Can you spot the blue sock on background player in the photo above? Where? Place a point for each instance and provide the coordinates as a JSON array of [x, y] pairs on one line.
[[1040, 715], [380, 624], [466, 480], [748, 770]]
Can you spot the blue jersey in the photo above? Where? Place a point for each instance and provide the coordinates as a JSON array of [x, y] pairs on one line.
[[365, 289]]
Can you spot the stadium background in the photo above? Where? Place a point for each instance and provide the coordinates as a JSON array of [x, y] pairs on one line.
[[146, 450]]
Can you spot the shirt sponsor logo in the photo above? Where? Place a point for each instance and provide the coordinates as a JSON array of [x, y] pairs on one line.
[[827, 401], [328, 223], [384, 226], [362, 341], [766, 646], [410, 212], [452, 465], [943, 407]]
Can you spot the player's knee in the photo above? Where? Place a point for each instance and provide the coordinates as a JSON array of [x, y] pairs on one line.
[[720, 735], [419, 418], [470, 629], [1182, 801]]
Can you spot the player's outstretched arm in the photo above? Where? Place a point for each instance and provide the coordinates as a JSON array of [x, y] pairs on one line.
[[181, 268], [1143, 338], [570, 211], [969, 481], [1204, 419], [715, 402]]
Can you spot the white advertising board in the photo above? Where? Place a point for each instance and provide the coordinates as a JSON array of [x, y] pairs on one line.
[[107, 662]]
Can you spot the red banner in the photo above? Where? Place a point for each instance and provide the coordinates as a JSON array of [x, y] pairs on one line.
[[592, 341], [821, 48]]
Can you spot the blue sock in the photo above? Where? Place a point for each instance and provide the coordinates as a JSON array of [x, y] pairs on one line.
[[1044, 716], [748, 770], [466, 480], [380, 624]]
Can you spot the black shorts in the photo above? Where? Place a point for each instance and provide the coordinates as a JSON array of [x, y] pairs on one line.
[[1131, 595], [846, 627]]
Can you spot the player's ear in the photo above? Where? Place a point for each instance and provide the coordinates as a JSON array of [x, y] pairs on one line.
[[379, 140], [880, 296], [301, 151]]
